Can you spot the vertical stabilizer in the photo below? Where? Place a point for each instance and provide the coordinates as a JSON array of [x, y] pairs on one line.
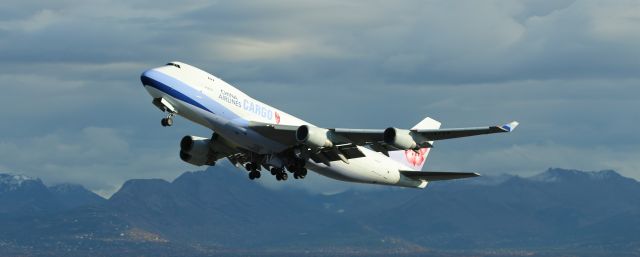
[[415, 159]]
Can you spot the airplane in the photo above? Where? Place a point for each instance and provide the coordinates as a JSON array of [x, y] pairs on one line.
[[256, 136]]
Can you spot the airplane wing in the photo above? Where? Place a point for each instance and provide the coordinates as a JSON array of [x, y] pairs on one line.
[[440, 134], [366, 136], [381, 140], [285, 134], [437, 175]]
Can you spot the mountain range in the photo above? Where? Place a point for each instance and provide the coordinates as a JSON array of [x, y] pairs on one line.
[[219, 211]]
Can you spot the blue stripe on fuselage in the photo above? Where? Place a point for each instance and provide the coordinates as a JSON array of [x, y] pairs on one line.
[[153, 79], [183, 92]]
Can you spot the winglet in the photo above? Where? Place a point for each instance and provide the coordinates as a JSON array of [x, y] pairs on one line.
[[509, 126]]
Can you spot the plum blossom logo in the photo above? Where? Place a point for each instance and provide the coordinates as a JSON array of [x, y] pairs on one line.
[[277, 115], [416, 158]]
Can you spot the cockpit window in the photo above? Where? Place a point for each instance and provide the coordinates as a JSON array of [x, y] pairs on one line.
[[173, 64]]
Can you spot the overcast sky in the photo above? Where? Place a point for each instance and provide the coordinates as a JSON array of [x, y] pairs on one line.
[[73, 108]]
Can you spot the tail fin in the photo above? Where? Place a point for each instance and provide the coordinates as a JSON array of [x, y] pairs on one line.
[[415, 159]]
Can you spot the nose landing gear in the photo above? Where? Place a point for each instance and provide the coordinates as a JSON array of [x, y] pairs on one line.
[[165, 106], [168, 121]]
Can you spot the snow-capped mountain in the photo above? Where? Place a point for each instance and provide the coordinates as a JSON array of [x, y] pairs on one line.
[[24, 195], [12, 182]]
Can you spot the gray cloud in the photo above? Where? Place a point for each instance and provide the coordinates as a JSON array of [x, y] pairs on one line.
[[95, 157], [568, 70]]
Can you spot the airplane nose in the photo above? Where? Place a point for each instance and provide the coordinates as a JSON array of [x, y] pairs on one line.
[[151, 82], [147, 77]]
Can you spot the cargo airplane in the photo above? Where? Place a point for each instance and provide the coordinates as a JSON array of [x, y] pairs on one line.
[[256, 136]]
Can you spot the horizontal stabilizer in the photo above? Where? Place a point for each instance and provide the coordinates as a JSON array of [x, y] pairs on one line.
[[437, 175]]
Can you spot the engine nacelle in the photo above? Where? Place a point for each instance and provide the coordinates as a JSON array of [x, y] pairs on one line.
[[197, 151], [197, 160], [313, 137], [195, 145], [400, 138]]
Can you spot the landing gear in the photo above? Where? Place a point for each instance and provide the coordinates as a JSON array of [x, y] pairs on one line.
[[298, 169], [252, 168], [254, 174], [300, 173], [279, 173], [168, 121], [282, 176], [278, 165]]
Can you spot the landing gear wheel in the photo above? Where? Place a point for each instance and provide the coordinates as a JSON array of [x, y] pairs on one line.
[[274, 171], [254, 174], [284, 176], [166, 122]]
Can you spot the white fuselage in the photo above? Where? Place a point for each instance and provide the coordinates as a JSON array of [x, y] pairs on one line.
[[215, 104]]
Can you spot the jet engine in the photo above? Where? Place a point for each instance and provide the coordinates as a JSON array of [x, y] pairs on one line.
[[197, 151], [313, 137], [400, 138]]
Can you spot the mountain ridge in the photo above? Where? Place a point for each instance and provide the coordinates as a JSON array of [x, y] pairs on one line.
[[219, 209], [24, 195]]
